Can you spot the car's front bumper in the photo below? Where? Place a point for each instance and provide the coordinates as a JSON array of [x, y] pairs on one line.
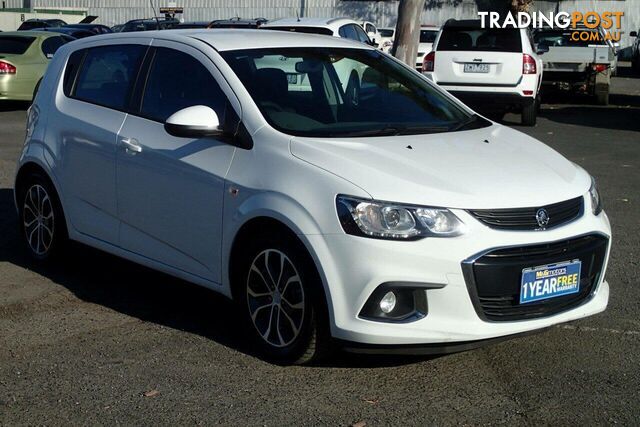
[[353, 267]]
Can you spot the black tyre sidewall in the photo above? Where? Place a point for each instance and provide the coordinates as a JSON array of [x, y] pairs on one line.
[[529, 114], [60, 229], [313, 320]]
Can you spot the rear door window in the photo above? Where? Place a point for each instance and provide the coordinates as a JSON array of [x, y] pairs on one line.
[[15, 45], [108, 74], [167, 92], [480, 39], [428, 36]]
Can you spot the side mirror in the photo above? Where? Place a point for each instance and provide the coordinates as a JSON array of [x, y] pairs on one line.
[[198, 121], [542, 48], [372, 43], [633, 34]]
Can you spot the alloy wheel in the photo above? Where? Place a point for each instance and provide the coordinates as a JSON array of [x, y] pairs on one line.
[[38, 219], [275, 297]]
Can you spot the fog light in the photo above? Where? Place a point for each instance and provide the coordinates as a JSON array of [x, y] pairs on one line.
[[388, 302]]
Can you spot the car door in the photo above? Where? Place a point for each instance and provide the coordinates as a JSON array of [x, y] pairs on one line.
[[170, 189], [97, 85]]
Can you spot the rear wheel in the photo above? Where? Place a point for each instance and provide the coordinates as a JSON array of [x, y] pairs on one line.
[[529, 113], [602, 95], [42, 223], [281, 300]]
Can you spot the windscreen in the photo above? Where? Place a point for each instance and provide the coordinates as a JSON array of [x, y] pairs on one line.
[[480, 39], [30, 25], [428, 36], [555, 38], [15, 45], [307, 30], [337, 92], [385, 32]]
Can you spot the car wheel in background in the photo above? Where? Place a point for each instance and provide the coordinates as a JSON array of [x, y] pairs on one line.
[[281, 299], [41, 220], [529, 113]]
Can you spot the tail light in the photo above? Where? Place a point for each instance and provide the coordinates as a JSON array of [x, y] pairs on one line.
[[6, 68], [598, 68], [528, 64], [429, 62]]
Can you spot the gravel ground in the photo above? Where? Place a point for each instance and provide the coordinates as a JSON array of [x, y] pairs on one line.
[[98, 340]]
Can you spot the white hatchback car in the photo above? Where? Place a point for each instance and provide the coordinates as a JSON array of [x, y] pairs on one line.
[[405, 223], [492, 69]]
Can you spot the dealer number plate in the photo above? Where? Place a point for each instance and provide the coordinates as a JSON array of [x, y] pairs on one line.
[[550, 281]]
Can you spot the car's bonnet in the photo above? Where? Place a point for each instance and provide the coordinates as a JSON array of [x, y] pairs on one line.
[[494, 167]]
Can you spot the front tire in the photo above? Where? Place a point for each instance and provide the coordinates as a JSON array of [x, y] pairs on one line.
[[281, 300], [42, 222]]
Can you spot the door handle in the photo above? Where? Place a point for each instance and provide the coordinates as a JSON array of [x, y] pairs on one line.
[[131, 145]]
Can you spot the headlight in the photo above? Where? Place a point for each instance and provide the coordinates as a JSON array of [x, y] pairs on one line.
[[387, 220], [596, 201]]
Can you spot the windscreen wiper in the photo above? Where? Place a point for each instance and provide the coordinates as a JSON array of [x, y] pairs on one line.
[[465, 124], [397, 130]]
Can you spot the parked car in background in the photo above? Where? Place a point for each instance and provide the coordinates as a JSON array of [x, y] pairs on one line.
[[76, 33], [24, 57], [94, 28], [495, 70], [117, 28], [32, 24], [373, 33], [351, 73], [635, 51], [238, 23], [149, 24], [404, 223], [576, 65], [428, 34], [337, 27], [386, 38], [191, 25]]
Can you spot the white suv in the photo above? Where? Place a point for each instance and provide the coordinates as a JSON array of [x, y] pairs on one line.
[[492, 69], [404, 221]]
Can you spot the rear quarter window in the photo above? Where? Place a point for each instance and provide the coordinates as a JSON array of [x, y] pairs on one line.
[[15, 45], [107, 75], [480, 39]]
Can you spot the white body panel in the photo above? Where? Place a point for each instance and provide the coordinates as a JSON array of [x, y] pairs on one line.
[[178, 204]]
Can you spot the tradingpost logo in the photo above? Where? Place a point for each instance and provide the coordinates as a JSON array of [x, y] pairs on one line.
[[580, 23]]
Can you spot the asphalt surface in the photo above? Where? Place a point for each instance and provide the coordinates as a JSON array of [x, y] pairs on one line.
[[98, 340]]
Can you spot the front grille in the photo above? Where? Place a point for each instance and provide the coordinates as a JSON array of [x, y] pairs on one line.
[[494, 278], [525, 218]]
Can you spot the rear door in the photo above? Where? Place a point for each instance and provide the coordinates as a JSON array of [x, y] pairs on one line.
[[478, 56], [98, 83], [170, 189]]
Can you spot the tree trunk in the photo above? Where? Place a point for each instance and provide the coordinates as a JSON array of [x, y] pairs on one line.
[[405, 46], [520, 5]]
